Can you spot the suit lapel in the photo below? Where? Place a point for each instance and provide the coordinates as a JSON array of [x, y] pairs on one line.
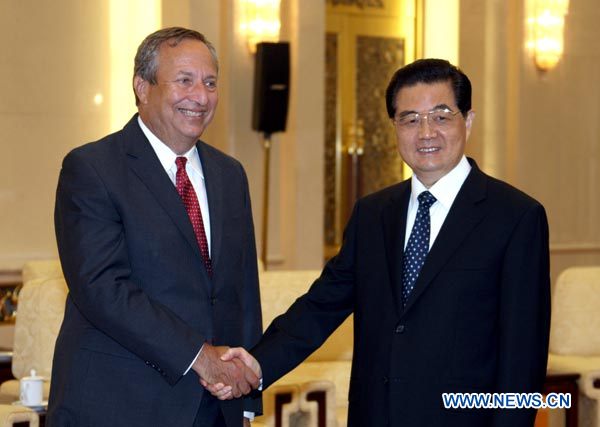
[[394, 228], [213, 178], [145, 164], [466, 212]]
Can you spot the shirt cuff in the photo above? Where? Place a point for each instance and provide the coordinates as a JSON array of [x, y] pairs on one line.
[[194, 361], [249, 415]]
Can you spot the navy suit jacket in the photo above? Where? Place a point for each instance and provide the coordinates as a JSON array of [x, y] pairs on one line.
[[140, 301], [476, 321]]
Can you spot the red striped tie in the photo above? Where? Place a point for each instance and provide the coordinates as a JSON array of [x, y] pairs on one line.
[[190, 200]]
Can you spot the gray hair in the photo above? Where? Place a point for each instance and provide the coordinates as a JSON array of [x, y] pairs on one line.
[[146, 58]]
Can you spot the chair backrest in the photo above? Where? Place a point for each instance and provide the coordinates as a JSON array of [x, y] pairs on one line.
[[575, 325], [39, 315], [279, 289], [41, 270], [42, 302]]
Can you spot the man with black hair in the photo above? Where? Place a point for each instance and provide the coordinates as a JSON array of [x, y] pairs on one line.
[[447, 275]]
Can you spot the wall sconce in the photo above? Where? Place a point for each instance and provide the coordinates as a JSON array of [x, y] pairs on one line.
[[545, 30], [260, 21]]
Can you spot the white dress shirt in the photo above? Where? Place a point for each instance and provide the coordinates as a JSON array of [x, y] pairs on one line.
[[444, 190], [193, 167]]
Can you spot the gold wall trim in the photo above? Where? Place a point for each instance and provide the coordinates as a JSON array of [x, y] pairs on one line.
[[359, 3], [377, 58], [561, 248], [332, 167], [10, 277]]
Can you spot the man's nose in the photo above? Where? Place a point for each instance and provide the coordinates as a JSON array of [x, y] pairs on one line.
[[199, 93], [426, 131]]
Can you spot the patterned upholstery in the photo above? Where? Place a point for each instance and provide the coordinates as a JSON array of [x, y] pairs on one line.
[[576, 313], [41, 270], [41, 310], [327, 370], [279, 289], [40, 313], [574, 337]]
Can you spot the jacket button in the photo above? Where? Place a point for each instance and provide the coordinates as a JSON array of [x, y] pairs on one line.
[[400, 329], [213, 301], [385, 380]]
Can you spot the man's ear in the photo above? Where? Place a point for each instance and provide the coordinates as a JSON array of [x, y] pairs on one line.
[[141, 87], [469, 122]]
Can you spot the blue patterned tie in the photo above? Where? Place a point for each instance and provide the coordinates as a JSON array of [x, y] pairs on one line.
[[418, 245]]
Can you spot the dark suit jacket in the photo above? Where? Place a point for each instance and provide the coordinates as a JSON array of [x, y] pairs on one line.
[[140, 301], [476, 321]]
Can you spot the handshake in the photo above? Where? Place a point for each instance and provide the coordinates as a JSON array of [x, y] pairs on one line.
[[227, 372]]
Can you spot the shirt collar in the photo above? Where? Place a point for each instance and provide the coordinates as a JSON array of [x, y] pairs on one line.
[[447, 187], [166, 156]]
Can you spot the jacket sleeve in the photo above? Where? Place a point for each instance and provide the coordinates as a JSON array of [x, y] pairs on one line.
[[524, 315], [93, 250], [252, 308], [313, 317]]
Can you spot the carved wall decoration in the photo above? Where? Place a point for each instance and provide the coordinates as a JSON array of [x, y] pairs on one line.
[[331, 70], [359, 3], [377, 59]]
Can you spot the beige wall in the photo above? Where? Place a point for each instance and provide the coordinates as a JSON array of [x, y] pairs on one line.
[[296, 184], [53, 62], [540, 131], [56, 57]]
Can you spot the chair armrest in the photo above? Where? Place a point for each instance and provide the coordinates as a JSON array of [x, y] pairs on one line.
[[589, 384], [280, 403], [11, 414], [579, 364], [317, 398]]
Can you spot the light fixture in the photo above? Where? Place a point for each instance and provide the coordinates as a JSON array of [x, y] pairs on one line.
[[98, 99], [545, 30], [260, 21]]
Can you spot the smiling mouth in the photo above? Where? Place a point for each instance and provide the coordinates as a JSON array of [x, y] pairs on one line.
[[190, 113], [428, 150]]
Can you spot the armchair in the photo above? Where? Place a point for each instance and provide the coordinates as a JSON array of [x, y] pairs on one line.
[[40, 313], [323, 379], [314, 394], [574, 337], [16, 414]]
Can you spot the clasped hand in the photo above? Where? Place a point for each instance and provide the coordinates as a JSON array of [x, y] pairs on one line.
[[227, 372]]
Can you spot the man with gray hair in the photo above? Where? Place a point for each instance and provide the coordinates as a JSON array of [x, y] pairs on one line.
[[156, 240]]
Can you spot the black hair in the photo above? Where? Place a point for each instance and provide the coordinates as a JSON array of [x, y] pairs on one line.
[[430, 71]]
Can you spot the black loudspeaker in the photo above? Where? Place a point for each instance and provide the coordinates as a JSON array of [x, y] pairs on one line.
[[271, 87]]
